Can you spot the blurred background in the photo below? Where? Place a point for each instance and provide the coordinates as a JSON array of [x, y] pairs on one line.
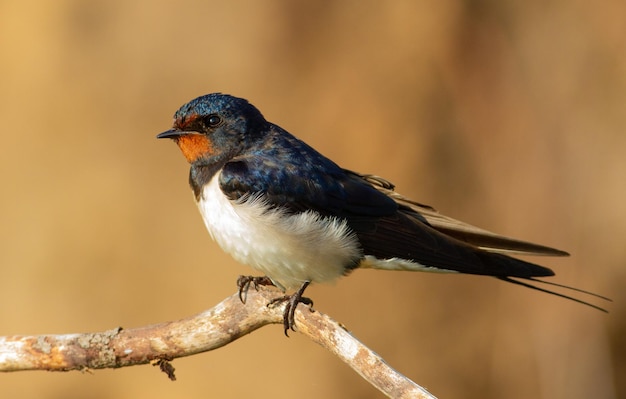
[[510, 115]]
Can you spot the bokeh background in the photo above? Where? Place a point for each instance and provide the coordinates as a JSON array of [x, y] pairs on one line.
[[507, 114]]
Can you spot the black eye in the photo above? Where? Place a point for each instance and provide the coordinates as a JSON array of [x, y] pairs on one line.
[[213, 120]]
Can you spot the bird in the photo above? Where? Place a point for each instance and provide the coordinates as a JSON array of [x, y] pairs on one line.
[[276, 204]]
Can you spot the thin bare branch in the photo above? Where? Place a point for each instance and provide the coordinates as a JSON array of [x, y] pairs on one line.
[[211, 329]]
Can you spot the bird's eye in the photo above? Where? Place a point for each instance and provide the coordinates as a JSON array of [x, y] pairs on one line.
[[213, 120]]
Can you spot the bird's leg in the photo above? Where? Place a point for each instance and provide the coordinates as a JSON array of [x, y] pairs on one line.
[[243, 282], [292, 300]]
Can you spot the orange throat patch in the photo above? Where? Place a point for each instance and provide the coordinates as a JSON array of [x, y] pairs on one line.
[[194, 146]]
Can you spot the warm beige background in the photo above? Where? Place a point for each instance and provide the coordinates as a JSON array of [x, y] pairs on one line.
[[507, 114]]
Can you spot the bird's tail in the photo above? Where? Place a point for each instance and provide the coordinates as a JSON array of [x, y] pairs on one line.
[[571, 298], [516, 271]]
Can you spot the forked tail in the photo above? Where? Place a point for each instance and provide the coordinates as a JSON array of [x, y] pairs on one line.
[[571, 298]]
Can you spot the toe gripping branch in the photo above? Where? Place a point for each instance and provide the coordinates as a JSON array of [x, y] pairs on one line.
[[244, 282], [291, 301]]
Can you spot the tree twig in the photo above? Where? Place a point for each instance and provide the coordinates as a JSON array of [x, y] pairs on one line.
[[211, 329]]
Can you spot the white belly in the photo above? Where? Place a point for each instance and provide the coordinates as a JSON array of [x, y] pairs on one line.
[[290, 249]]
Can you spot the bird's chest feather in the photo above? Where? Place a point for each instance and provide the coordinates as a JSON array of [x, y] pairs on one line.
[[288, 248]]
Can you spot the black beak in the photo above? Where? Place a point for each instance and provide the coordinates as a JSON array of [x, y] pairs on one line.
[[171, 134]]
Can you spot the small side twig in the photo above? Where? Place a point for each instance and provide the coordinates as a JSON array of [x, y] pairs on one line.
[[211, 329]]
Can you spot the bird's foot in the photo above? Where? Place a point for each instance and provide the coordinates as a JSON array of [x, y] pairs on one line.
[[243, 282], [292, 301]]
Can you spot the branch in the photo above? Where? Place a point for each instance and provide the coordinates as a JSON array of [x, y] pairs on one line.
[[211, 329]]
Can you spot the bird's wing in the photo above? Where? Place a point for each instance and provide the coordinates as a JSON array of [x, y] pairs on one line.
[[462, 231]]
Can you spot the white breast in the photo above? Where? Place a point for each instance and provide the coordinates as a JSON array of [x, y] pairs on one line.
[[288, 248]]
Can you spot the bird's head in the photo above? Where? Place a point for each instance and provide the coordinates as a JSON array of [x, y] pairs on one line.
[[214, 126]]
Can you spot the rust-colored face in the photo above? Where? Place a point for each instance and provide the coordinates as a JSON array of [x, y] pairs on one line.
[[193, 146]]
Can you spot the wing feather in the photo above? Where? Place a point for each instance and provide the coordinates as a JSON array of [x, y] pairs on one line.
[[462, 231]]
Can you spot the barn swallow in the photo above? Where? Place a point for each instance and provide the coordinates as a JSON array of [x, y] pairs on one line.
[[276, 204]]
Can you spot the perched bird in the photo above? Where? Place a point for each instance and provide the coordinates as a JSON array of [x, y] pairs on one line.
[[278, 205]]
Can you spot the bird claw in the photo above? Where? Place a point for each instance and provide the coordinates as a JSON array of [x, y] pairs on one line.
[[243, 282], [292, 301]]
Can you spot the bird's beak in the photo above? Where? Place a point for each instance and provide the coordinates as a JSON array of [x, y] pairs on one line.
[[175, 133], [171, 134]]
